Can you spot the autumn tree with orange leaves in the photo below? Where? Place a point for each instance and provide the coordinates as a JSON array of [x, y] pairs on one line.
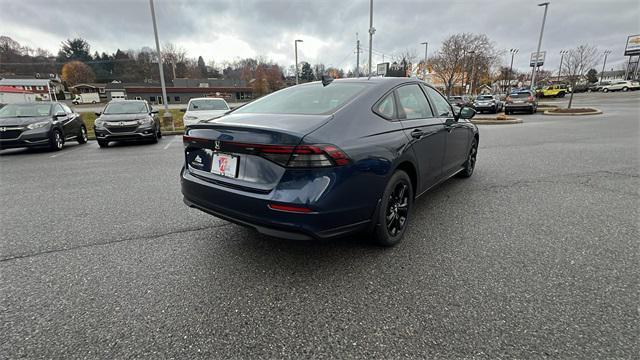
[[77, 72]]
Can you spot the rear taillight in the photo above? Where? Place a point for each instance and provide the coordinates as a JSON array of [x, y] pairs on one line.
[[320, 155], [509, 98], [530, 98], [317, 155], [290, 208]]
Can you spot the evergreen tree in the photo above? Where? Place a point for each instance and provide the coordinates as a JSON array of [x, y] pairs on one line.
[[306, 74]]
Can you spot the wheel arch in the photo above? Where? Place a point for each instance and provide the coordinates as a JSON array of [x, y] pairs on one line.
[[409, 167]]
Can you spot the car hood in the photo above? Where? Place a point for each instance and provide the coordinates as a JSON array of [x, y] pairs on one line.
[[122, 117], [21, 121], [205, 114]]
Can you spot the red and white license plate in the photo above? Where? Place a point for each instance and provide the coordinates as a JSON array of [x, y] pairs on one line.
[[224, 165]]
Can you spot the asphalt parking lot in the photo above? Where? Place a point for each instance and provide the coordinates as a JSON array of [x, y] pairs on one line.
[[534, 256]]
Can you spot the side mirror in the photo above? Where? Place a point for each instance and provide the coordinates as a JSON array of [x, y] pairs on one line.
[[183, 110], [466, 113], [98, 113], [154, 111], [60, 114]]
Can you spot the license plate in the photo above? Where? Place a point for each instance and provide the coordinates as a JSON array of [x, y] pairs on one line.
[[224, 165]]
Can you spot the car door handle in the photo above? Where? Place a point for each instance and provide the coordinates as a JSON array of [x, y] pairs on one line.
[[417, 134]]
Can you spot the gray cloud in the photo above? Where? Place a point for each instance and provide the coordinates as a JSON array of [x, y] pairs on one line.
[[224, 30]]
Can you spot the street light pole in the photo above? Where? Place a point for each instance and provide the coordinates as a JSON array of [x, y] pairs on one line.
[[513, 53], [295, 44], [606, 53], [424, 70], [372, 31], [162, 84], [562, 52], [544, 19], [473, 69]]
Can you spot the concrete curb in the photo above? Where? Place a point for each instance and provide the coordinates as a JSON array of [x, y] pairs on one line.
[[496, 122], [595, 112]]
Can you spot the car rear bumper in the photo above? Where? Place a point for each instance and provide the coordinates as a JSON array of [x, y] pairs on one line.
[[251, 210], [521, 106], [485, 107]]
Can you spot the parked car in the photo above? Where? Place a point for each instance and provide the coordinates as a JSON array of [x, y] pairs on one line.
[[554, 91], [522, 100], [621, 85], [460, 101], [200, 109], [86, 98], [124, 120], [597, 86], [327, 159], [40, 124], [490, 103]]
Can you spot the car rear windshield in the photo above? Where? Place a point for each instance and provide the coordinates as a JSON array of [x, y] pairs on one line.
[[310, 99], [208, 104], [524, 94], [455, 97], [125, 107], [485, 97], [25, 110]]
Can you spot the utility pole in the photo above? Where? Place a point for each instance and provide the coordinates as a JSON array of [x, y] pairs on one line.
[[424, 70], [562, 52], [357, 56], [473, 69], [544, 19], [606, 53], [513, 53], [372, 31], [295, 44], [167, 114]]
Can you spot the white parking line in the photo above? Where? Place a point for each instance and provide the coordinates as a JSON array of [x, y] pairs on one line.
[[76, 148], [175, 138]]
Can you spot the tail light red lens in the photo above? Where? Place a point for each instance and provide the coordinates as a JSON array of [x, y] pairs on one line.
[[530, 98], [290, 208], [509, 98]]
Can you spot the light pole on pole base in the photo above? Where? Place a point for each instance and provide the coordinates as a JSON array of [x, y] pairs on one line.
[[544, 19], [296, 50]]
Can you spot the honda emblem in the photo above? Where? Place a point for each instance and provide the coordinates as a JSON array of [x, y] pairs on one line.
[[217, 145]]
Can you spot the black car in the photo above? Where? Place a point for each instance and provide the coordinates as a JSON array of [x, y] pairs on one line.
[[40, 124], [327, 159], [460, 101], [124, 120]]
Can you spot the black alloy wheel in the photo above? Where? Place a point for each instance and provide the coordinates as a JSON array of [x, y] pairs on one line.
[[395, 210], [470, 164]]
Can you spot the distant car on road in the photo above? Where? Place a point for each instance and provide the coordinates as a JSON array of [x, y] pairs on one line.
[[322, 160], [621, 85], [201, 109], [491, 103], [597, 86], [554, 91], [460, 101], [124, 120], [86, 98], [40, 124], [522, 100]]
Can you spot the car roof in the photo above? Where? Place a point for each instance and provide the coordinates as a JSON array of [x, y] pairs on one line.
[[207, 98]]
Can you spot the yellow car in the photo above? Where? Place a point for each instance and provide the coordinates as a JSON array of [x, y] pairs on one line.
[[554, 91]]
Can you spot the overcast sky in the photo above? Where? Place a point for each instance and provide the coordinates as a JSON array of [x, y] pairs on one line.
[[226, 30]]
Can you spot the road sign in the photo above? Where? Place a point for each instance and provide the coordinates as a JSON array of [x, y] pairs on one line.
[[381, 69], [633, 46], [539, 58]]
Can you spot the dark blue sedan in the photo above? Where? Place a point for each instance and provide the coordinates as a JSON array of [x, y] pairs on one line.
[[327, 159]]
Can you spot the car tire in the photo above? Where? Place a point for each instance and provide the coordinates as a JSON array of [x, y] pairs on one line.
[[605, 90], [159, 133], [93, 102], [561, 94], [470, 164], [625, 89], [395, 210], [103, 144], [56, 140], [154, 139], [82, 137]]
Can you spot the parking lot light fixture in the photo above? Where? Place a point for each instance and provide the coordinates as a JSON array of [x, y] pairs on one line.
[[426, 49], [513, 53], [562, 52], [296, 50], [544, 19]]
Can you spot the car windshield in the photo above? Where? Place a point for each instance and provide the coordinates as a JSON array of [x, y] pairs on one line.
[[485, 97], [311, 99], [25, 110], [208, 104], [125, 107]]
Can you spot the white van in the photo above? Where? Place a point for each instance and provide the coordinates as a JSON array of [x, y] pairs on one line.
[[87, 98], [206, 108]]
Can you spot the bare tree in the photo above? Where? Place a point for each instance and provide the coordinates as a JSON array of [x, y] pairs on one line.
[[578, 62], [463, 54]]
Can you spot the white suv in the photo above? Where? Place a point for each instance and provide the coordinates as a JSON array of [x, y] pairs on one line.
[[207, 108], [623, 85]]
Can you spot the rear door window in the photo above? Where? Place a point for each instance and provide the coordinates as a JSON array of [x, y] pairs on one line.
[[413, 102]]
